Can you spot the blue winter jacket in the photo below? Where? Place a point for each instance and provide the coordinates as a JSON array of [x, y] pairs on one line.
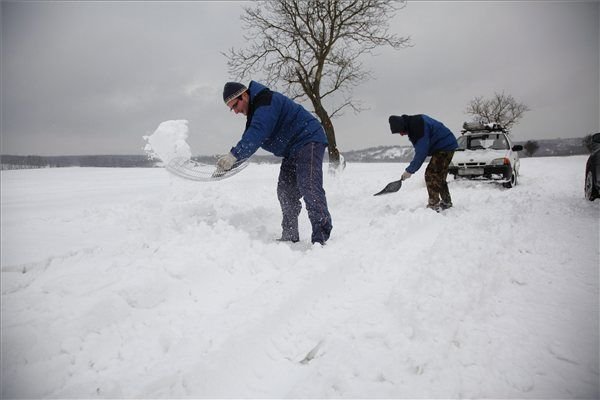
[[277, 124], [427, 135]]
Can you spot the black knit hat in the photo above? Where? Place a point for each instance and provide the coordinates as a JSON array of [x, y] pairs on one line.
[[232, 90], [398, 124]]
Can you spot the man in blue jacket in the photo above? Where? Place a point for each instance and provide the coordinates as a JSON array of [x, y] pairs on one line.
[[429, 138], [286, 129]]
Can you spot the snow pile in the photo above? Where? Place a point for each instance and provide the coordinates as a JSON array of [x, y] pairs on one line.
[[169, 141], [131, 283]]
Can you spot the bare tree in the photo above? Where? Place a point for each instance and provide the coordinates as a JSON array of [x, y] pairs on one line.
[[314, 48], [501, 108], [531, 146]]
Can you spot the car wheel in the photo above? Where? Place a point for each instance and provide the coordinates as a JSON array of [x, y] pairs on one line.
[[590, 191], [512, 182]]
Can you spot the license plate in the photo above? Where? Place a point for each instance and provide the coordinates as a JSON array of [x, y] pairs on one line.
[[470, 171]]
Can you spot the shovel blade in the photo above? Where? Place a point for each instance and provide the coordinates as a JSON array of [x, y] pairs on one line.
[[391, 187]]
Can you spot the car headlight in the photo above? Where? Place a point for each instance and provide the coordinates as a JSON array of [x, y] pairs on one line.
[[500, 161]]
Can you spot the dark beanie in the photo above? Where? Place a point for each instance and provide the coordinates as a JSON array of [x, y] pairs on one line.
[[398, 124], [232, 90]]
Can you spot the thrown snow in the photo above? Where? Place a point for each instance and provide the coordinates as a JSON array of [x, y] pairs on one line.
[[131, 283], [169, 141]]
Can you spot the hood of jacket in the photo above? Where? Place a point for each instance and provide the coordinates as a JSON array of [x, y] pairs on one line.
[[412, 124], [255, 88]]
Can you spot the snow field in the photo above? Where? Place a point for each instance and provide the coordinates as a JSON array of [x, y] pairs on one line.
[[133, 283]]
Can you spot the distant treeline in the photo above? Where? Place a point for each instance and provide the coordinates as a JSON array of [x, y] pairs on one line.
[[535, 148], [118, 161], [105, 161]]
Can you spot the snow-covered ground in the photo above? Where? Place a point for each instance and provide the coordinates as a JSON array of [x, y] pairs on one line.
[[131, 283]]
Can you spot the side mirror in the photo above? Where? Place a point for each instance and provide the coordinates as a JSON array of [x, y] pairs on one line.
[[517, 147]]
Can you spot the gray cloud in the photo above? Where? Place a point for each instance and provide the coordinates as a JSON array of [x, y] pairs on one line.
[[94, 77]]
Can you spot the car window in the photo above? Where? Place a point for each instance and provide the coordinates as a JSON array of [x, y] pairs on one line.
[[481, 142], [500, 143]]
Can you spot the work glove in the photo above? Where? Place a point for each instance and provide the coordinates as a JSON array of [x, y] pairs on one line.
[[226, 162], [406, 175]]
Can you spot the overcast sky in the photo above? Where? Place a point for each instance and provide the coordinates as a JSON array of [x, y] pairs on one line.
[[94, 77]]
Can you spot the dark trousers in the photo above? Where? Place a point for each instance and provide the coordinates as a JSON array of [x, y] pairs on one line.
[[301, 176], [435, 178]]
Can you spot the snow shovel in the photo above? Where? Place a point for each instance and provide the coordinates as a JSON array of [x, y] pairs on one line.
[[391, 187]]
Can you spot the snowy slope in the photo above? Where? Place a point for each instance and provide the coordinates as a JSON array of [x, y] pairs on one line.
[[133, 283]]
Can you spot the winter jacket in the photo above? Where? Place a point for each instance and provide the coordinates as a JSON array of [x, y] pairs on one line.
[[277, 124], [427, 135]]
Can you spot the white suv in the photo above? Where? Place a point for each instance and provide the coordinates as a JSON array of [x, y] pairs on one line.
[[486, 152]]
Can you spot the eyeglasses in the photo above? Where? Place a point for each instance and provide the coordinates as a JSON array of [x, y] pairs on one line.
[[235, 104]]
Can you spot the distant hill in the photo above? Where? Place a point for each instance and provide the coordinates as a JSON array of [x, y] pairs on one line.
[[380, 154], [547, 148]]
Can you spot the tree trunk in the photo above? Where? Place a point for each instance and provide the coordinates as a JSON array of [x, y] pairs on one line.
[[334, 154]]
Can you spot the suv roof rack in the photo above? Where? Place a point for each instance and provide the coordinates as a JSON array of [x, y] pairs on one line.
[[481, 127]]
